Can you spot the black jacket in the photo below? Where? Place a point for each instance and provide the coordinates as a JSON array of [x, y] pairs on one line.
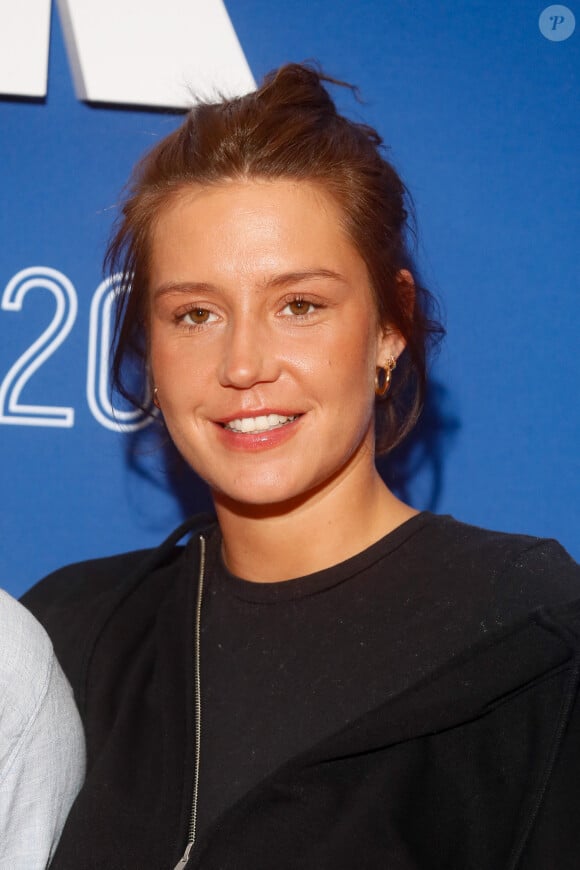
[[475, 768]]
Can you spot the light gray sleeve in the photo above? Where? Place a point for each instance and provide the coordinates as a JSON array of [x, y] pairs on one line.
[[42, 750]]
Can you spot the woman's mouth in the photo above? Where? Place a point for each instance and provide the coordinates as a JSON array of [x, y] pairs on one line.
[[262, 423]]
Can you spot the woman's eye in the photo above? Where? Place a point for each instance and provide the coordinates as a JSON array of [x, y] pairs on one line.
[[299, 306], [196, 317]]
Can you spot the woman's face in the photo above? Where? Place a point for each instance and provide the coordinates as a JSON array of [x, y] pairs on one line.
[[264, 340]]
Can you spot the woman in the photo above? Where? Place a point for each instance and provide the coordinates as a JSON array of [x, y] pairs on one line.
[[324, 677]]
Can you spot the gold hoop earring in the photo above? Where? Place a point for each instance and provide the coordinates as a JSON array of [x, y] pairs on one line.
[[383, 376], [156, 397]]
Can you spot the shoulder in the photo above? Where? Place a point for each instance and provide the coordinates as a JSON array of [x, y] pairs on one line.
[[103, 576], [26, 657], [32, 686], [513, 568], [81, 580], [76, 602], [42, 752], [19, 627], [89, 583], [494, 549]]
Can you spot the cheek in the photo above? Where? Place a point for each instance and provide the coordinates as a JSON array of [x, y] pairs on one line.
[[356, 356], [175, 362]]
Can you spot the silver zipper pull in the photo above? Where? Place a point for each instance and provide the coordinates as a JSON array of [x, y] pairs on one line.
[[184, 858]]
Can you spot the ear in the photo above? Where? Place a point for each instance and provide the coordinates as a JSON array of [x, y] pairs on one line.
[[391, 343]]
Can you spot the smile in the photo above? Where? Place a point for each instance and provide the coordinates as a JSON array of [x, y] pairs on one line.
[[263, 423]]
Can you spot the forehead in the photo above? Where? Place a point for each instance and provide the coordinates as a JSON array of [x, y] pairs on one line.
[[252, 224], [254, 192]]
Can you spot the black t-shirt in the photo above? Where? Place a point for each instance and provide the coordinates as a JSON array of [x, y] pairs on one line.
[[284, 665]]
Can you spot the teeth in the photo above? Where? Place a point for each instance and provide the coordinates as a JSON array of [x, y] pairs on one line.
[[258, 424]]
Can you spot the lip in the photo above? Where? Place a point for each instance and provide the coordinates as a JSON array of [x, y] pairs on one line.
[[255, 441]]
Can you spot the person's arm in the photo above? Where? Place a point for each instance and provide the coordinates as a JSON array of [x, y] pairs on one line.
[[42, 750]]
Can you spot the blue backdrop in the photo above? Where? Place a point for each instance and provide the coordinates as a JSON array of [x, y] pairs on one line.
[[480, 109]]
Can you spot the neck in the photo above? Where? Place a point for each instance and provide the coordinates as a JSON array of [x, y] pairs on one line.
[[270, 543]]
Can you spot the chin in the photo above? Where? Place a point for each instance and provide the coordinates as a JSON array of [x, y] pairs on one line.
[[256, 496], [267, 498]]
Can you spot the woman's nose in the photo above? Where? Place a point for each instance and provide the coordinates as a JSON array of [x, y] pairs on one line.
[[248, 356]]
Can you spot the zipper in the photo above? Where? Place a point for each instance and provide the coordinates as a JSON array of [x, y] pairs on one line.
[[183, 861]]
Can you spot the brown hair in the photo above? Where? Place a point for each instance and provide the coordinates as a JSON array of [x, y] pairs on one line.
[[288, 128]]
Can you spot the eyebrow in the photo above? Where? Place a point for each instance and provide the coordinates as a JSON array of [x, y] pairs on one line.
[[278, 281], [296, 277]]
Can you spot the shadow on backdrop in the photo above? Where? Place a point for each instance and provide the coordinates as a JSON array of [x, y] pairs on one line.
[[152, 457], [414, 470]]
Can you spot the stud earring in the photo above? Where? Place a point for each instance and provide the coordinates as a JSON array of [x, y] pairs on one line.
[[383, 376]]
